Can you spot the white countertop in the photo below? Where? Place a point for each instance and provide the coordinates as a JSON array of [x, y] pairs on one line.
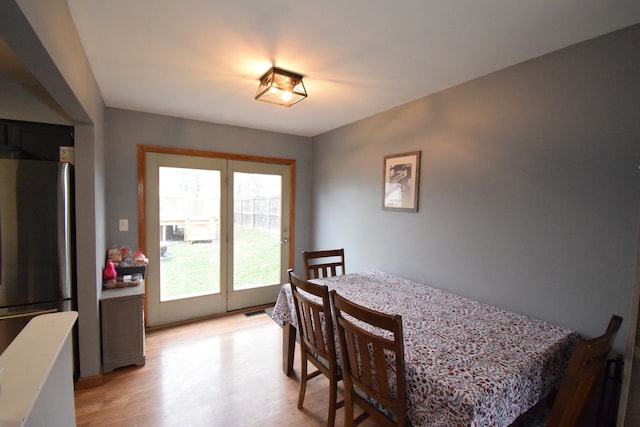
[[27, 364]]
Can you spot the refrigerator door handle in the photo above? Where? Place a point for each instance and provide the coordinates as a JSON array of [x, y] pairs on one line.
[[29, 314]]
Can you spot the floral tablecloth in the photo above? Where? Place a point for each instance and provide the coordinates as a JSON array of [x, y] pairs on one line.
[[467, 363]]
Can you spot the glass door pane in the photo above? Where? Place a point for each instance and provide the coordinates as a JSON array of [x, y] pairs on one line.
[[189, 232], [256, 230], [259, 203], [185, 238]]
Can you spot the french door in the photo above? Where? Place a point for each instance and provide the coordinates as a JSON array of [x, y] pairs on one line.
[[217, 234]]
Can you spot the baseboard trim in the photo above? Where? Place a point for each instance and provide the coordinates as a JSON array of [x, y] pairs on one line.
[[213, 316]]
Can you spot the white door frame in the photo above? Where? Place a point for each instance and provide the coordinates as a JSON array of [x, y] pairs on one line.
[[237, 299], [287, 254]]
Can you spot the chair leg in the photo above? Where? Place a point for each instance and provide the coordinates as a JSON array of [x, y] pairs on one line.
[[303, 381], [348, 409], [333, 397]]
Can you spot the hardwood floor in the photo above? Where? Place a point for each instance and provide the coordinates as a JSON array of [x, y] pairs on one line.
[[219, 372]]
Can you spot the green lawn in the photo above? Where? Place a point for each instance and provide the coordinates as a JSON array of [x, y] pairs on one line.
[[194, 268]]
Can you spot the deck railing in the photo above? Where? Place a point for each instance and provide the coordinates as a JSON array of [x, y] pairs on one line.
[[200, 217]]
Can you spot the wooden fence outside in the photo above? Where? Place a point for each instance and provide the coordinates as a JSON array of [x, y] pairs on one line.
[[199, 221]]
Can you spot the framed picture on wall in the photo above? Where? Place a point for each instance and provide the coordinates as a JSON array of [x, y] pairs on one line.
[[401, 175]]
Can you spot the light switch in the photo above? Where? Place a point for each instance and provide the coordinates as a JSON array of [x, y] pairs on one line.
[[124, 225]]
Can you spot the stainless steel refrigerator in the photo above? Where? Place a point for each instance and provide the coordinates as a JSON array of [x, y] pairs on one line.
[[37, 242]]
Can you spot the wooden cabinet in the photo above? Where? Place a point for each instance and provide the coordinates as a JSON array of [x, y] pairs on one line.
[[40, 141], [122, 326]]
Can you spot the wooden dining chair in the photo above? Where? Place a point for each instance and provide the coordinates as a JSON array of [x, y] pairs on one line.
[[365, 355], [317, 342], [327, 263], [585, 366]]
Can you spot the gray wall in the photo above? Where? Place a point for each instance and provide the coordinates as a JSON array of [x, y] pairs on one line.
[[528, 190], [128, 129], [43, 38], [23, 97]]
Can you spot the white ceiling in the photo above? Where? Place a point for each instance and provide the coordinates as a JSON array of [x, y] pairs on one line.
[[201, 59]]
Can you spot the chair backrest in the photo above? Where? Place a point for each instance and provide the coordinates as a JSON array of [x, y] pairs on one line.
[[585, 366], [318, 264], [314, 318], [370, 341]]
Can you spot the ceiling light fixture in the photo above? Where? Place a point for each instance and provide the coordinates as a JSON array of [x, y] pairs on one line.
[[281, 87]]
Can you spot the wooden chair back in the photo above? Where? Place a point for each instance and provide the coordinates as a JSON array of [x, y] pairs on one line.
[[317, 338], [585, 366], [319, 264], [369, 342]]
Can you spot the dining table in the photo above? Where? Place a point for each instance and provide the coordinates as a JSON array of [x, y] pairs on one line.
[[467, 363]]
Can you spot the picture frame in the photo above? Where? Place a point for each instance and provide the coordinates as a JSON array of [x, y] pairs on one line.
[[401, 178]]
